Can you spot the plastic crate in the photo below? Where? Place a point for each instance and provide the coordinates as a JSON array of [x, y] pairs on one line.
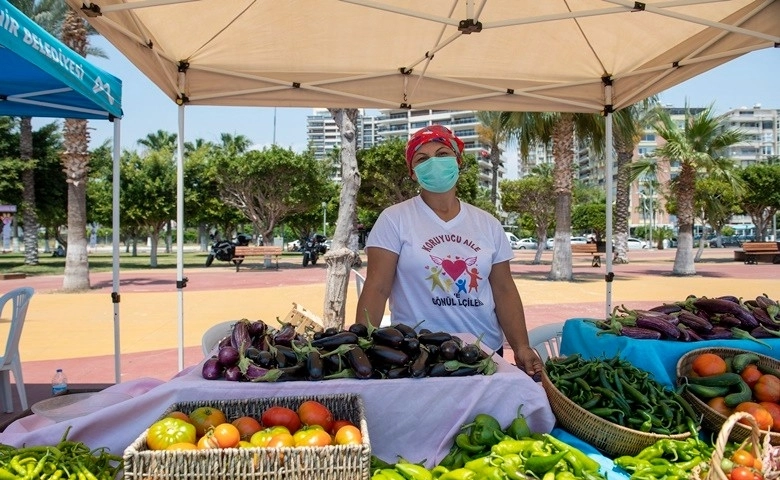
[[333, 462]]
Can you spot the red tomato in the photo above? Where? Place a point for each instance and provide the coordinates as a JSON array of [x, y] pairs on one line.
[[247, 426], [744, 458], [283, 416], [741, 473], [349, 435], [338, 424], [205, 418], [312, 412]]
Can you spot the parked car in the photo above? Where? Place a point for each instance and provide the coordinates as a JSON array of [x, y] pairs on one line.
[[527, 243], [551, 241], [512, 240], [636, 244], [294, 246]]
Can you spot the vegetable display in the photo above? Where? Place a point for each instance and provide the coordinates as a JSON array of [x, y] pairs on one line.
[[698, 318], [67, 459], [623, 394], [667, 458], [257, 352]]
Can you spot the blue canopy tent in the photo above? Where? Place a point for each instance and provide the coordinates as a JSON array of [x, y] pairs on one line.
[[42, 77]]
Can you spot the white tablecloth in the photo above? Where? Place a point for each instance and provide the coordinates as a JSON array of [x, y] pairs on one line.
[[414, 418]]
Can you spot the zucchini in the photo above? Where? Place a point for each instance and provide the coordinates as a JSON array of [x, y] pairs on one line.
[[705, 393], [743, 394], [723, 380], [742, 360]]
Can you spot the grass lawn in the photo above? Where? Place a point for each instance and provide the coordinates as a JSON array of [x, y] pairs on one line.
[[100, 262]]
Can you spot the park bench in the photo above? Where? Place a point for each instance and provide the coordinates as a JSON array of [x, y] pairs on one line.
[[242, 253], [751, 252], [587, 249]]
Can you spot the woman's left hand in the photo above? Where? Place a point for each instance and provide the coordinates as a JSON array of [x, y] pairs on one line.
[[528, 360]]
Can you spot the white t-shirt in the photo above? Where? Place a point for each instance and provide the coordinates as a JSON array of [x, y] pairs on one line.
[[443, 268]]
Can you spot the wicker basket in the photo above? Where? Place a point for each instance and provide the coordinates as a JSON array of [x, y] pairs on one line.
[[715, 471], [305, 321], [612, 439], [334, 462], [711, 419]]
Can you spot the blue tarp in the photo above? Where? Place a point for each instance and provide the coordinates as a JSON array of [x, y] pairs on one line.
[[42, 77]]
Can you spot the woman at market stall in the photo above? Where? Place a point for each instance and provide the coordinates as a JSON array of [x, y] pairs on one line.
[[442, 263]]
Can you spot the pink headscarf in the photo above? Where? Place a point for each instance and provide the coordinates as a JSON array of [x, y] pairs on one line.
[[434, 133]]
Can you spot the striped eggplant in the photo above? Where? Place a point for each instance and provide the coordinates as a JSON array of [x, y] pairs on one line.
[[663, 323], [693, 321], [640, 333], [714, 306]]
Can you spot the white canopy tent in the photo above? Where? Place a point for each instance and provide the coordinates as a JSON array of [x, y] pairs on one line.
[[506, 55]]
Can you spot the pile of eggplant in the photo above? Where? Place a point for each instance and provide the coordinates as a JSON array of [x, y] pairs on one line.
[[258, 352], [699, 318]]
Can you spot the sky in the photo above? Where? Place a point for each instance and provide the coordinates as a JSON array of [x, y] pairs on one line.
[[746, 81]]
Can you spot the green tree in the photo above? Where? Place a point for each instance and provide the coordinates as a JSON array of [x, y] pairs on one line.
[[271, 184], [716, 201], [629, 126], [149, 193], [761, 197], [560, 129], [494, 130], [695, 146], [159, 140], [530, 196]]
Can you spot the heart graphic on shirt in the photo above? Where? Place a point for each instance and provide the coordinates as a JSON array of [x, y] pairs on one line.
[[453, 269]]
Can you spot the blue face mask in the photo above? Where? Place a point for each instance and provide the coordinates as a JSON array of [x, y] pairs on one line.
[[437, 174]]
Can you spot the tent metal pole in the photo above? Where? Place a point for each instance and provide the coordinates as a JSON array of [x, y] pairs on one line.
[[181, 282], [609, 161], [115, 239]]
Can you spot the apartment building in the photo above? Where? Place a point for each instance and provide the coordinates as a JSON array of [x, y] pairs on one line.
[[761, 128]]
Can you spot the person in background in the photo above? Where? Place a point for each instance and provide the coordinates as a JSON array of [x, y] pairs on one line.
[[442, 263]]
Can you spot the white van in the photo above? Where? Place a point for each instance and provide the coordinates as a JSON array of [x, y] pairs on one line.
[[513, 240]]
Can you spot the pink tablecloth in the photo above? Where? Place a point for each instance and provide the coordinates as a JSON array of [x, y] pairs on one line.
[[414, 418]]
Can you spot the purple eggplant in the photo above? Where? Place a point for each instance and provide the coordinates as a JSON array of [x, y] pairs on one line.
[[693, 321], [233, 374], [729, 298], [257, 328], [285, 335], [239, 337], [667, 308], [253, 372], [764, 301], [763, 332], [640, 333], [212, 369], [228, 356], [660, 322], [714, 306], [718, 333]]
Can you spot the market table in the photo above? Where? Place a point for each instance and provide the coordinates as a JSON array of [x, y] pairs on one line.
[[416, 418], [659, 357]]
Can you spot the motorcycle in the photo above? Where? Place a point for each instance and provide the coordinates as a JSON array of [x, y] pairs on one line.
[[224, 250], [312, 247]]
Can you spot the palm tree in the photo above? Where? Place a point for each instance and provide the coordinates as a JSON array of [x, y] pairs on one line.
[[560, 129], [494, 130], [159, 140], [630, 124], [48, 14], [695, 146], [75, 161]]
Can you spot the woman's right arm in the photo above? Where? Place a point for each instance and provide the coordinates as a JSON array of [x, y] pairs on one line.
[[380, 274]]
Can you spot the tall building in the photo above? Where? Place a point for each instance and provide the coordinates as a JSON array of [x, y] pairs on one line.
[[761, 127], [323, 135]]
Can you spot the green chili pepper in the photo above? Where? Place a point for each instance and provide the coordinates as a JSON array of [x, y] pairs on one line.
[[463, 442], [6, 475], [450, 457], [540, 465], [478, 463], [580, 459], [512, 472], [566, 475], [459, 474], [518, 428], [390, 474], [484, 429], [439, 470], [412, 471], [509, 445]]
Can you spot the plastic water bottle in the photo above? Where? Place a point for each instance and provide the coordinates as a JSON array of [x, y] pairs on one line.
[[59, 384]]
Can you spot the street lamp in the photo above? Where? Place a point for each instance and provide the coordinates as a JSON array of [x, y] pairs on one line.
[[324, 218]]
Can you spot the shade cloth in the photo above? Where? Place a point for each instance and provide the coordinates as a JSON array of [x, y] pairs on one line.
[[659, 357], [416, 418]]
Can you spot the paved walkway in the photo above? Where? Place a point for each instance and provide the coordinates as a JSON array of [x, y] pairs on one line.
[[76, 331]]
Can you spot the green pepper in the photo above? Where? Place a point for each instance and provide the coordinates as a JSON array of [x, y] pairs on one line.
[[631, 464], [540, 465], [490, 472], [412, 471], [463, 442], [576, 457], [566, 475], [459, 474], [478, 463], [439, 470], [485, 430], [508, 445], [518, 428], [512, 472], [390, 474]]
